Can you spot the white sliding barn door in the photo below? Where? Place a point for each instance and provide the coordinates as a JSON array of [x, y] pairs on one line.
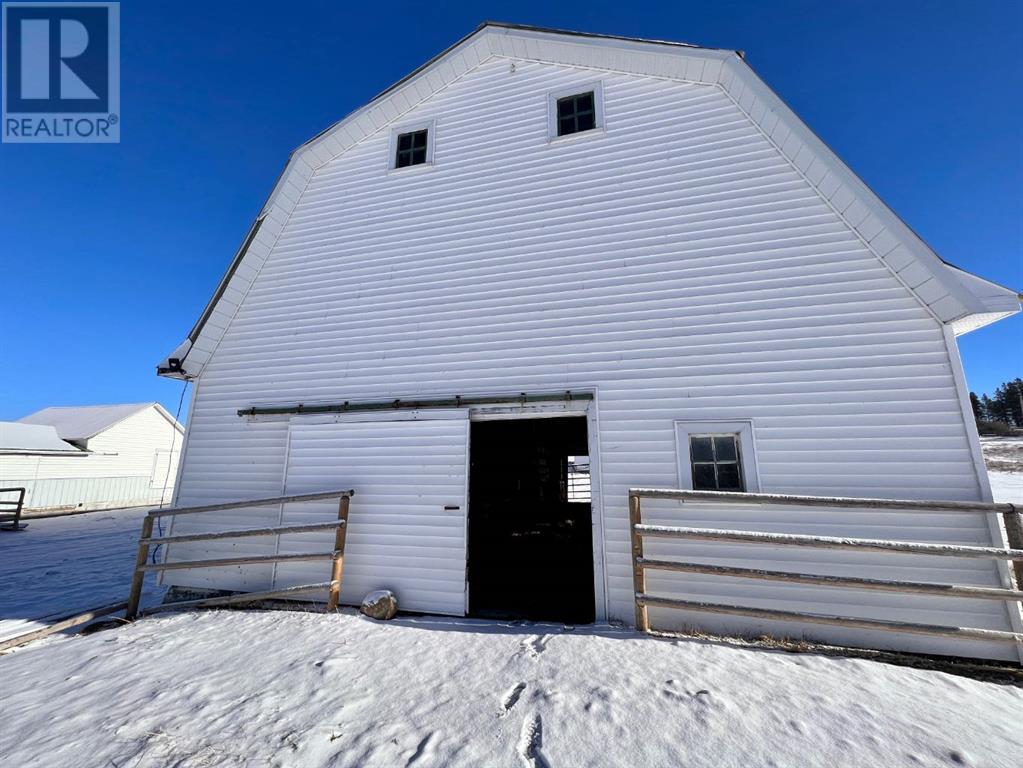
[[400, 536]]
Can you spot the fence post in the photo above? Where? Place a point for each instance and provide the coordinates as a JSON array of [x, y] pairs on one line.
[[1014, 534], [638, 574], [338, 557], [139, 575]]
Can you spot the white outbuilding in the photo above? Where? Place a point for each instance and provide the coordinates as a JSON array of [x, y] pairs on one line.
[[92, 457], [548, 267]]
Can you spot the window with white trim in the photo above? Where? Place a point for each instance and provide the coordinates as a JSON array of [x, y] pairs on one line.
[[716, 456], [575, 112], [715, 462], [411, 146]]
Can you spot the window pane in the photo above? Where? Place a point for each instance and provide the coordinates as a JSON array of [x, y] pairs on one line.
[[403, 159], [566, 107], [419, 139], [584, 102], [585, 122], [724, 448], [700, 449], [418, 156], [566, 125], [703, 477], [728, 477], [405, 141]]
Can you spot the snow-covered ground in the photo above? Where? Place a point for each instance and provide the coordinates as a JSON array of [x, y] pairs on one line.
[[265, 688], [1007, 487], [254, 688], [62, 565], [1004, 459]]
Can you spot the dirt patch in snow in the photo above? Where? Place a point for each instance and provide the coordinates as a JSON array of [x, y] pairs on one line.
[[1003, 454]]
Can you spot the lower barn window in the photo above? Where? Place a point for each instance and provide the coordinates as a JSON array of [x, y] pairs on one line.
[[716, 462], [411, 149]]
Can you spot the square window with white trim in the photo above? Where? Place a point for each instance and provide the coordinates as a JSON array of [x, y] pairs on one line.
[[576, 113], [716, 456], [411, 146], [715, 460], [576, 110]]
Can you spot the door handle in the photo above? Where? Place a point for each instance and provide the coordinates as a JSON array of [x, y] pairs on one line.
[[451, 508]]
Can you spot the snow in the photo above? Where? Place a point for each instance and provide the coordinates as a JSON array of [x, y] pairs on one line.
[[1004, 458], [63, 565], [274, 688], [1007, 486], [290, 688]]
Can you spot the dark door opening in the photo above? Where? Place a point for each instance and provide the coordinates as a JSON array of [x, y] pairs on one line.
[[530, 525]]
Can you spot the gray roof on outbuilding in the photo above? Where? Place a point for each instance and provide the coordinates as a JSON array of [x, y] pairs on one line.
[[83, 422], [16, 437]]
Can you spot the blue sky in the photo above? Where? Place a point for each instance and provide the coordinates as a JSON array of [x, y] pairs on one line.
[[109, 252]]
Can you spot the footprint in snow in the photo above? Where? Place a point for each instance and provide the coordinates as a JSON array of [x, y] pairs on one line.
[[600, 699], [673, 690], [531, 741], [535, 645], [511, 698], [425, 749], [337, 661]]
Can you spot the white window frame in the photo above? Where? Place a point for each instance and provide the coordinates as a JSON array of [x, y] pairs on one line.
[[430, 126], [597, 87], [747, 451]]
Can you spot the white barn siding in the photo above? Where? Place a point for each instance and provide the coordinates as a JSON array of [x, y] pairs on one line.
[[137, 440], [126, 465], [406, 471], [677, 263]]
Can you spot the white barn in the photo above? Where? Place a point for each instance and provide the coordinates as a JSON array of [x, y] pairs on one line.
[[544, 255], [92, 457]]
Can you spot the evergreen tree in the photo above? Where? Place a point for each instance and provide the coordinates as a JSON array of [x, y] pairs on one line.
[[978, 409], [1005, 407], [1007, 399], [987, 406]]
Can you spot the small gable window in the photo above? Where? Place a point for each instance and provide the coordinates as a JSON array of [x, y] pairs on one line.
[[577, 113], [716, 463], [411, 148]]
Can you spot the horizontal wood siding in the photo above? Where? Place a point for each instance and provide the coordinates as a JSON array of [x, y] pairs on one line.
[[677, 262], [120, 468], [400, 537]]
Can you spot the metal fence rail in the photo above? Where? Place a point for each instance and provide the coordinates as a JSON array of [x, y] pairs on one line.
[[10, 510], [336, 556], [640, 563]]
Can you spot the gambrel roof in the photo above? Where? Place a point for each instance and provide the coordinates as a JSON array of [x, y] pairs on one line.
[[952, 296]]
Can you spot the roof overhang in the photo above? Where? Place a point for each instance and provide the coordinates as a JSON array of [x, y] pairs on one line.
[[34, 440], [998, 301], [944, 294]]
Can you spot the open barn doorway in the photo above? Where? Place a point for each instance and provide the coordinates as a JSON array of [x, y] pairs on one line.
[[530, 535]]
